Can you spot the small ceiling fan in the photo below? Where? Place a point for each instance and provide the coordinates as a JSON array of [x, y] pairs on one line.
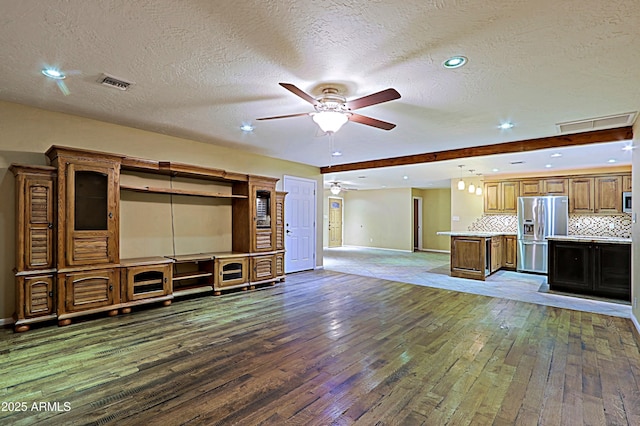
[[332, 110], [336, 188]]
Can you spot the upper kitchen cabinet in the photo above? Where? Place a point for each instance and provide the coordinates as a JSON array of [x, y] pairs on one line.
[[608, 194], [89, 195], [581, 195], [544, 186], [501, 197], [626, 183]]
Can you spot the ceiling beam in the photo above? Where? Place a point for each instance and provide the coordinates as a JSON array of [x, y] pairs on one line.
[[585, 138]]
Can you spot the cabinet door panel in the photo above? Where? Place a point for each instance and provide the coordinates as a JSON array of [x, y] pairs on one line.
[[569, 266], [509, 197], [492, 197], [608, 194], [558, 186], [581, 195], [263, 268], [90, 289], [612, 269], [530, 188], [38, 296]]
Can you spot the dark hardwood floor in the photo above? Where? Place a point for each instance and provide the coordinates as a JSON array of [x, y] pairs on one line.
[[326, 348]]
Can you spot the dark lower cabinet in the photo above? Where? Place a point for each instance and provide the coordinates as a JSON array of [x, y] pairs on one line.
[[590, 268]]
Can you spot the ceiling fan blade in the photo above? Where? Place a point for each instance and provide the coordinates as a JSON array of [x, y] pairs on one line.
[[371, 122], [293, 89], [283, 116], [373, 99]]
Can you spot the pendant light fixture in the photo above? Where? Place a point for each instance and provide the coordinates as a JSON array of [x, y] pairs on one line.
[[472, 187], [461, 182], [479, 187]]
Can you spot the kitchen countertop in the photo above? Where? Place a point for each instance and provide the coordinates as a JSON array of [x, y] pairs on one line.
[[590, 239], [474, 233]]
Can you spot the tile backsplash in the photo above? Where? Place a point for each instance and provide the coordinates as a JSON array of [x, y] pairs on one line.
[[602, 226]]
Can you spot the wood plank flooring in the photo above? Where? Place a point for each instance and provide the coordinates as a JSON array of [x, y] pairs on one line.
[[325, 348]]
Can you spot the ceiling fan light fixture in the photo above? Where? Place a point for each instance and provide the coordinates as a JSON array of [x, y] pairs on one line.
[[335, 189], [329, 121]]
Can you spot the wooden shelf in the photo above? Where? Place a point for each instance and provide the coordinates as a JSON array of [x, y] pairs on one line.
[[191, 275], [176, 191], [192, 290]]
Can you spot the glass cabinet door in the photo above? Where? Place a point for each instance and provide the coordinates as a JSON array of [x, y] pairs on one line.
[[92, 213]]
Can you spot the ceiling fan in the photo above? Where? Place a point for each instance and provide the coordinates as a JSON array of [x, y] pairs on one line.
[[332, 110], [336, 188]]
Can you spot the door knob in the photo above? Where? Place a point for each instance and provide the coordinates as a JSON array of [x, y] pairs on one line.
[[288, 232]]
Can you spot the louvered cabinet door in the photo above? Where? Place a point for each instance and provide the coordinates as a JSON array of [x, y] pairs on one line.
[[262, 268], [88, 289], [35, 201], [280, 220], [36, 293]]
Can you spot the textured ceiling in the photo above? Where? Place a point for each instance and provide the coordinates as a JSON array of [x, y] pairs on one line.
[[203, 68]]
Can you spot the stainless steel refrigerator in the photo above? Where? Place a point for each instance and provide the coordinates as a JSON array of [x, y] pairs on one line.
[[539, 217]]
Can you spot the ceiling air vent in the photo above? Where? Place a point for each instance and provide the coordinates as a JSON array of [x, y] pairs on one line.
[[598, 123], [116, 83]]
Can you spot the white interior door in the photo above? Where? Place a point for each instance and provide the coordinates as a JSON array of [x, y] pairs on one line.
[[299, 224]]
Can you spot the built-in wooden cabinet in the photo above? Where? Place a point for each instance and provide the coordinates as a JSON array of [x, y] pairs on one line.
[[501, 197], [146, 279], [87, 291], [581, 195], [510, 252], [88, 206], [588, 194], [68, 235], [555, 186], [608, 194], [231, 271], [468, 257], [496, 253], [592, 268]]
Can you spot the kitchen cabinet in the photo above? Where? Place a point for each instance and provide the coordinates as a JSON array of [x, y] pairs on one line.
[[509, 252], [531, 188], [608, 194], [555, 186], [501, 197], [599, 269], [581, 195], [626, 183], [496, 253], [468, 257]]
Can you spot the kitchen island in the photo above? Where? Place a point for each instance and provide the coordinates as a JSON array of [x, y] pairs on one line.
[[477, 255], [590, 265]]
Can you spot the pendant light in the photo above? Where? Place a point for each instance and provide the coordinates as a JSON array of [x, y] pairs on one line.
[[461, 182], [479, 187], [472, 187]]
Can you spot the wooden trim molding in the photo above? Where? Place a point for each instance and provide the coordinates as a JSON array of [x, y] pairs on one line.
[[585, 138]]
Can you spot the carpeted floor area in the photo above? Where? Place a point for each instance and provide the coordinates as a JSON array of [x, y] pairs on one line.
[[432, 270]]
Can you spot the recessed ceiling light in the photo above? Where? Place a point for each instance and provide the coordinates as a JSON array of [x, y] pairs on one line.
[[454, 62], [611, 160], [628, 148], [506, 125], [556, 155], [246, 128], [336, 154], [53, 73], [405, 177], [548, 166], [495, 170]]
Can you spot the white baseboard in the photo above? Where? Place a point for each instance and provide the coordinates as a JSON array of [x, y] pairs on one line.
[[375, 248], [635, 322], [6, 321], [436, 251], [319, 267]]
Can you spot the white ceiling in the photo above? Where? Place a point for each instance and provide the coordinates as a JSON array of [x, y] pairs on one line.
[[203, 68]]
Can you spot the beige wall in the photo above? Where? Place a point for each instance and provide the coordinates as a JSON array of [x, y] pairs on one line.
[[26, 133], [378, 218], [436, 216], [465, 207], [635, 229]]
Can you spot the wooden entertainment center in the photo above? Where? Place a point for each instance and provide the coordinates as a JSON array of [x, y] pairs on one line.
[[68, 235]]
